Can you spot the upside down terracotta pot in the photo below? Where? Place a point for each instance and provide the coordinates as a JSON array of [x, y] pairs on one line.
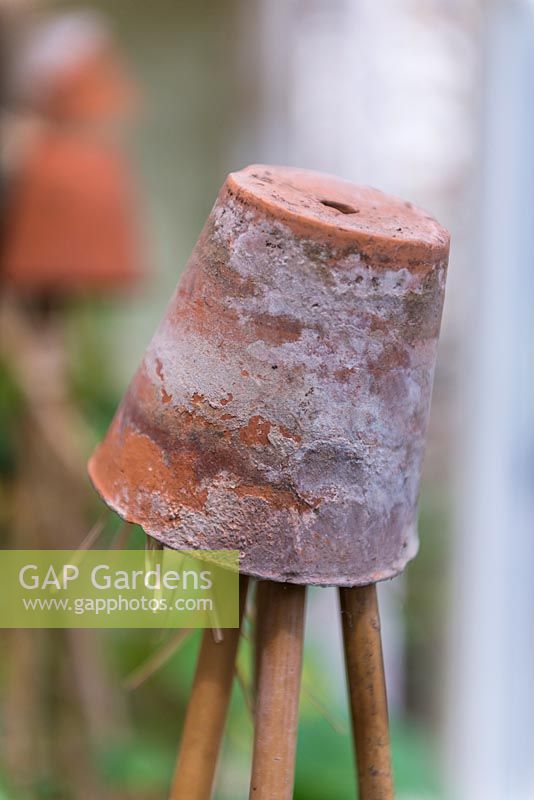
[[282, 405], [70, 224]]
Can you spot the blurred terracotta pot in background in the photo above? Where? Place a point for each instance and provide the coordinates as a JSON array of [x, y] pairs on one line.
[[70, 223]]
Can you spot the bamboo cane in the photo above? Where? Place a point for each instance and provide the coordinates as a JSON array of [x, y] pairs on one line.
[[206, 713], [367, 691], [281, 624]]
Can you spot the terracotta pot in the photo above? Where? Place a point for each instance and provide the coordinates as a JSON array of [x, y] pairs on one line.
[[282, 405], [70, 221]]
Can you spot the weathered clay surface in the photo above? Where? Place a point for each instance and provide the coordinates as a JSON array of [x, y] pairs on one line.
[[281, 407]]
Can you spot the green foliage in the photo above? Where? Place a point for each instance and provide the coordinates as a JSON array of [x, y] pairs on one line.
[[90, 370], [10, 408], [325, 766], [139, 765]]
